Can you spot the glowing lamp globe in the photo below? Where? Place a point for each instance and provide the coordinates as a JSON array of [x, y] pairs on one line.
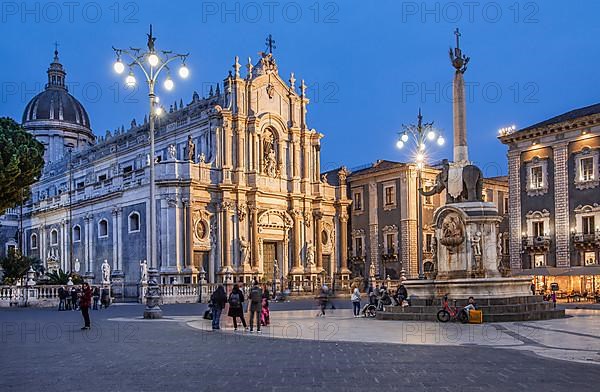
[[119, 67], [153, 60], [184, 72]]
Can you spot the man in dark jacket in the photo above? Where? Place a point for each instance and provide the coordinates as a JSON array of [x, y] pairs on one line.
[[255, 306], [217, 300], [84, 304], [62, 298]]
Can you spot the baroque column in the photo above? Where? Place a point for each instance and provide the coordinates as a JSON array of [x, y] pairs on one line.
[[344, 242], [255, 250], [189, 234], [296, 269], [459, 62], [318, 241], [226, 207]]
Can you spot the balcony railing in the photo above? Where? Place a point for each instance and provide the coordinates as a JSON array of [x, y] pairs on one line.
[[586, 240], [540, 243]]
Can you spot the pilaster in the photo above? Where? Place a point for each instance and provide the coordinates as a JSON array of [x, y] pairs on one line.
[[561, 204], [514, 212]]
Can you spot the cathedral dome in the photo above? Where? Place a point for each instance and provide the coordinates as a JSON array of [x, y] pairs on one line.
[[55, 102]]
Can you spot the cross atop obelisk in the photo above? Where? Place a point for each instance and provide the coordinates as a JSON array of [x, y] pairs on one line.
[[459, 62]]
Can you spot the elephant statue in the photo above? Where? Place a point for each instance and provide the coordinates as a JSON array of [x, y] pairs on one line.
[[472, 180]]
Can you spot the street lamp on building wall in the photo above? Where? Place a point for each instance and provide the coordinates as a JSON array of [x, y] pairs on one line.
[[151, 62], [422, 134]]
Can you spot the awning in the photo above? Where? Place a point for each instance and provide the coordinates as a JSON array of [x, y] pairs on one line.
[[554, 271]]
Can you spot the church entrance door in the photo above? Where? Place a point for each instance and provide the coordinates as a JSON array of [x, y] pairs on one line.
[[269, 257]]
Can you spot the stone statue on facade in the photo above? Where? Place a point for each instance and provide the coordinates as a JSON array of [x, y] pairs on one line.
[[372, 271], [77, 265], [191, 149], [143, 272], [244, 254], [271, 163], [105, 272], [310, 254], [202, 158], [476, 243]]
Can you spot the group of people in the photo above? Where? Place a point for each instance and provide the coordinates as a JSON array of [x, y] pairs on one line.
[[70, 298], [257, 299]]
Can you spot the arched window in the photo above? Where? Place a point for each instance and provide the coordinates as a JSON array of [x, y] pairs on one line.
[[33, 241], [54, 237], [103, 228], [76, 233], [134, 222]]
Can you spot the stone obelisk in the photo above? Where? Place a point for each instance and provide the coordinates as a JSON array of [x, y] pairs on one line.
[[459, 62]]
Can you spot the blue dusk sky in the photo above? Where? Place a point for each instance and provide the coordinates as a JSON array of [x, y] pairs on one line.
[[369, 65]]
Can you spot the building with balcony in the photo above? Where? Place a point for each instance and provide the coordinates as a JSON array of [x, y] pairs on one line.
[[555, 200], [239, 190], [383, 218]]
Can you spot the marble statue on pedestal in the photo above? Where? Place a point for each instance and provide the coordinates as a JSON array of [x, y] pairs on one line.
[[143, 272], [310, 254], [105, 272], [244, 254]]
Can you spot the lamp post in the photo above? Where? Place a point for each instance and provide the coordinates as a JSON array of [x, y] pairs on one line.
[[421, 134], [151, 63]]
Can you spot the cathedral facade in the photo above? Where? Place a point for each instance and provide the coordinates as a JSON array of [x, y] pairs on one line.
[[238, 185]]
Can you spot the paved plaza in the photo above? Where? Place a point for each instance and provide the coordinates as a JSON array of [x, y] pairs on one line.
[[43, 347]]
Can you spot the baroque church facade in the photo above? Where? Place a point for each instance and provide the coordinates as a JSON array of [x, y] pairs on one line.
[[239, 191]]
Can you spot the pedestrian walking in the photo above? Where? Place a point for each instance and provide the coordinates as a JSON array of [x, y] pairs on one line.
[[323, 298], [265, 317], [218, 299], [84, 304], [96, 296], [256, 296], [62, 297], [236, 309], [355, 298]]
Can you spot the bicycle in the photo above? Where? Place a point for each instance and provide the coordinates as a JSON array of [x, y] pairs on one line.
[[451, 313]]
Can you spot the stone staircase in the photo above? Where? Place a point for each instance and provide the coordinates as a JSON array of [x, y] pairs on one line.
[[494, 309]]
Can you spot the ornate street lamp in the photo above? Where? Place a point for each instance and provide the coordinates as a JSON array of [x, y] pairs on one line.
[[151, 63], [422, 135]]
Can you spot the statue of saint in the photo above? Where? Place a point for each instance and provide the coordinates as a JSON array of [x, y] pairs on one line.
[[105, 272], [191, 149], [143, 271], [310, 254], [77, 265], [244, 254], [372, 271]]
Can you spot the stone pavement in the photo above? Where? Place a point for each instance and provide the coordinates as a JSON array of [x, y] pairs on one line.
[[45, 349]]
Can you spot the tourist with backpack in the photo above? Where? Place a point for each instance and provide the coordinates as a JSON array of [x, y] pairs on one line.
[[236, 309], [256, 295], [217, 301]]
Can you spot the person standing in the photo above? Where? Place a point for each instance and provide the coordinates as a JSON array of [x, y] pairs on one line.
[[62, 297], [323, 298], [217, 299], [355, 298], [74, 295], [265, 317], [96, 297], [84, 304], [236, 309], [256, 295]]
